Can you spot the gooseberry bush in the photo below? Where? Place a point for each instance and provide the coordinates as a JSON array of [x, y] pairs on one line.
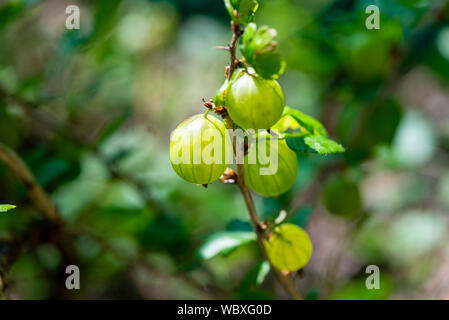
[[246, 121]]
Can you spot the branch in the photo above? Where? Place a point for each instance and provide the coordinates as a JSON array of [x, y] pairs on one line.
[[40, 198], [132, 261], [236, 33], [43, 202], [58, 127], [285, 281], [12, 248]]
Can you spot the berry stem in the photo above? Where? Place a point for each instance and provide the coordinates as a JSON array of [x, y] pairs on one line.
[[236, 33], [284, 280]]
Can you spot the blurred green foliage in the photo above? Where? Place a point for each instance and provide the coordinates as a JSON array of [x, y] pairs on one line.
[[91, 111]]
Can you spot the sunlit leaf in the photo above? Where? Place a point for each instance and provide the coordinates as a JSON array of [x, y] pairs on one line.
[[323, 145], [314, 144], [224, 243], [6, 207], [310, 124], [263, 270]]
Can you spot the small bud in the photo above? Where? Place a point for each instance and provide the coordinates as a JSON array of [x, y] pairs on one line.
[[208, 104]]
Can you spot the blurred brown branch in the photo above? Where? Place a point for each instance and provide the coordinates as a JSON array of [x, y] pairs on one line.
[[13, 247], [40, 199], [45, 206]]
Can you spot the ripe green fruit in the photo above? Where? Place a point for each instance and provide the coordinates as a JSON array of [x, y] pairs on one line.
[[289, 248], [200, 149], [277, 179], [254, 102]]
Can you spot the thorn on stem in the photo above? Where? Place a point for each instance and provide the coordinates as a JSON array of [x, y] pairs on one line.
[[222, 48]]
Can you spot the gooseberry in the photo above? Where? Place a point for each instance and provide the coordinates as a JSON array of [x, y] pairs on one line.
[[254, 102], [289, 247], [200, 149], [274, 176]]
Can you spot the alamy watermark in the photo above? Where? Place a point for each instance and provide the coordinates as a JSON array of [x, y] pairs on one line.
[[73, 19], [72, 282], [373, 20], [373, 280]]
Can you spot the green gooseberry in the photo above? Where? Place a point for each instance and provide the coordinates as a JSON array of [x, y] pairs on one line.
[[253, 102], [270, 177], [289, 247], [200, 149]]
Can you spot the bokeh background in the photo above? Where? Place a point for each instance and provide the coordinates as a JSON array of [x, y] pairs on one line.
[[90, 111]]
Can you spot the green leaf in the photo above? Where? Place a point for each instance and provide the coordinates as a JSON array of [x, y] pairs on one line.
[[313, 144], [230, 9], [298, 145], [305, 134], [263, 270], [256, 275], [245, 9], [289, 248], [224, 243], [323, 145], [6, 207], [308, 123]]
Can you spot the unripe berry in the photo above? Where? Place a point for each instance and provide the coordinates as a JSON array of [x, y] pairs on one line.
[[289, 248], [200, 149], [278, 177], [254, 102]]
